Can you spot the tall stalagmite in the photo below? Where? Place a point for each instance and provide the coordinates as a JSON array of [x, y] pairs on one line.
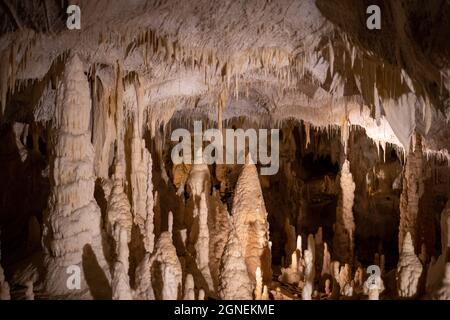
[[71, 233], [141, 176], [235, 283], [343, 241], [412, 191], [250, 221], [409, 270], [166, 267]]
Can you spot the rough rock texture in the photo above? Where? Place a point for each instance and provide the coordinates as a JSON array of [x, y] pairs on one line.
[[189, 286], [203, 241], [250, 221], [343, 241], [166, 269], [309, 275], [4, 286], [71, 233], [120, 283], [235, 283], [409, 270], [219, 223], [436, 269], [373, 287], [141, 176], [413, 189], [443, 292]]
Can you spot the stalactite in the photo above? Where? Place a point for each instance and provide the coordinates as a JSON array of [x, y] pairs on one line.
[[409, 269], [72, 220], [344, 229], [235, 283], [250, 220], [413, 189]]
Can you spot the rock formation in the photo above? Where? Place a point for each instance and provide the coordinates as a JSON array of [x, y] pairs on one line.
[[166, 268], [343, 241], [413, 189], [72, 219], [235, 283], [409, 270], [250, 221]]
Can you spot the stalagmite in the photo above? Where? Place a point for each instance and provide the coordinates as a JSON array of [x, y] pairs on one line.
[[309, 275], [141, 176], [345, 280], [436, 269], [250, 221], [219, 228], [202, 244], [409, 269], [4, 286], [343, 244], [443, 292], [189, 292], [336, 289], [120, 283], [235, 283], [29, 291], [166, 267], [201, 294], [259, 284], [373, 287], [72, 219], [144, 289], [413, 189], [326, 264]]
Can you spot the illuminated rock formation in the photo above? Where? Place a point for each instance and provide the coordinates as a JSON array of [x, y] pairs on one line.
[[309, 275], [409, 270], [4, 286], [373, 287], [219, 228], [189, 292], [250, 221], [72, 219], [343, 241], [234, 283], [203, 241], [413, 189], [166, 268]]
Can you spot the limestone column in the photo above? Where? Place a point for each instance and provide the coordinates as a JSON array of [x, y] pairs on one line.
[[343, 241], [72, 219], [411, 193], [250, 221]]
